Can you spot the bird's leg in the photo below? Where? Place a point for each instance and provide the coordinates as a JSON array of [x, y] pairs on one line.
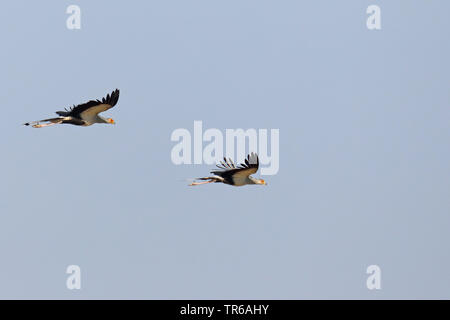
[[38, 125], [199, 183]]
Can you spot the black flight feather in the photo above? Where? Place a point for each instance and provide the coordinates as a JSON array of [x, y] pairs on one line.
[[75, 111]]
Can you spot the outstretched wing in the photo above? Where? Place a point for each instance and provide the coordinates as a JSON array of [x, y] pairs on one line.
[[229, 170], [92, 107]]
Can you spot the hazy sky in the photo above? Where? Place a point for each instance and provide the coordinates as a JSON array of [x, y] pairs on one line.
[[364, 149]]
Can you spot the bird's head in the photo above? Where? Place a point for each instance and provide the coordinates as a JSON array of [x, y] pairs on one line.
[[261, 181], [110, 121]]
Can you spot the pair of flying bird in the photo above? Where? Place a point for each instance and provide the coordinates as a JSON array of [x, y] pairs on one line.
[[87, 114]]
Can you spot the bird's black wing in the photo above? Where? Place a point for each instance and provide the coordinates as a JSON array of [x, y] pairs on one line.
[[228, 169], [94, 106]]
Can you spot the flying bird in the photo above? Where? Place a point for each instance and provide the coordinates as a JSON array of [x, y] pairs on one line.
[[234, 175], [85, 114]]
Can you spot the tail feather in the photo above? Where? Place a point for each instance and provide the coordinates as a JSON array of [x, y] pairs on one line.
[[51, 121]]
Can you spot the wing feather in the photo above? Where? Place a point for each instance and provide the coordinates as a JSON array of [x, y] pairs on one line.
[[92, 107], [250, 166]]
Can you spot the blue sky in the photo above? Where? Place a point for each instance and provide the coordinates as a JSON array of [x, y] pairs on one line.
[[364, 158]]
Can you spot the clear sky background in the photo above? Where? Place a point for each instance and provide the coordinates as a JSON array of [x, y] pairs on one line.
[[364, 149]]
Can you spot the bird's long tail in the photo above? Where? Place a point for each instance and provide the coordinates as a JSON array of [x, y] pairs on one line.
[[49, 122], [206, 180]]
